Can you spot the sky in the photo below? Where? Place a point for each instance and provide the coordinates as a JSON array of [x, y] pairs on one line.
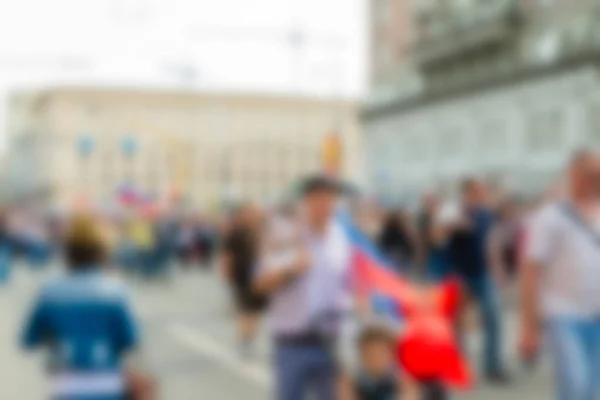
[[313, 47], [300, 46]]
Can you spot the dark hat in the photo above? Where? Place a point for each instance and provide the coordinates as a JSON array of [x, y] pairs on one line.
[[320, 183]]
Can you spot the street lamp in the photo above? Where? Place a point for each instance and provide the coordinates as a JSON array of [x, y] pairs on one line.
[[129, 149], [85, 145], [85, 148]]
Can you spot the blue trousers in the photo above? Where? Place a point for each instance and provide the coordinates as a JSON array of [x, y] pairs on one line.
[[438, 265], [575, 348], [482, 288], [304, 372]]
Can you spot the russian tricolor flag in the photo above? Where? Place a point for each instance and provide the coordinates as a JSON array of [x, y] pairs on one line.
[[427, 348], [130, 196]]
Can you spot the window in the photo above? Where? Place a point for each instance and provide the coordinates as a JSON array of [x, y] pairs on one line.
[[450, 143], [388, 148], [548, 46], [545, 3], [593, 125], [384, 56], [492, 137], [464, 4], [381, 11], [545, 131], [414, 148]]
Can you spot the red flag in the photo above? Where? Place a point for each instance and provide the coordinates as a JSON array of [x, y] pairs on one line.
[[427, 348]]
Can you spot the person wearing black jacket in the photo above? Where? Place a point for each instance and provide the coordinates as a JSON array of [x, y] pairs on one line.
[[238, 260], [470, 260], [396, 240]]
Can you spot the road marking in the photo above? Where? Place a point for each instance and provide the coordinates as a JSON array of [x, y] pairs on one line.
[[203, 344]]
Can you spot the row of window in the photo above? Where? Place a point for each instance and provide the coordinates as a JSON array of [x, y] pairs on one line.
[[248, 187], [208, 126], [243, 158], [546, 131], [156, 176]]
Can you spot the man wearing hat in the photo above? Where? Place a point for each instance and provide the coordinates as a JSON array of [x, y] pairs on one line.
[[305, 270]]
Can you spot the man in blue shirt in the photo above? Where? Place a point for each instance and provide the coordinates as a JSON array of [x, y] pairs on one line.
[[84, 320], [468, 248]]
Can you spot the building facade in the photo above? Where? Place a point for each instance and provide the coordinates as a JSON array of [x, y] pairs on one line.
[[506, 88], [205, 146], [391, 35]]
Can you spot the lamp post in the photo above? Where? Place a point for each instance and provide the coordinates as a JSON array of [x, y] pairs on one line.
[[85, 148], [129, 149]]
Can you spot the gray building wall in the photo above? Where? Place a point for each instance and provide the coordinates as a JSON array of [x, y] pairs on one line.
[[523, 131], [500, 88]]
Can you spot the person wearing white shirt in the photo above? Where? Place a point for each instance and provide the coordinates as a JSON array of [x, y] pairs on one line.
[[561, 282], [305, 270]]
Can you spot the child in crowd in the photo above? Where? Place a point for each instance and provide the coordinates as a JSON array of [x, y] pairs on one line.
[[377, 377]]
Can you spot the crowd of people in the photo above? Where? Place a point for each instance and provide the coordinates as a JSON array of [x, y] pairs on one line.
[[476, 240], [138, 242], [83, 318], [292, 263], [492, 241]]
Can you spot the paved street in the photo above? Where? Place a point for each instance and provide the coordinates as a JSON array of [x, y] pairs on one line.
[[189, 344]]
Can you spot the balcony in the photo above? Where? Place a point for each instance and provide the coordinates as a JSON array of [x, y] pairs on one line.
[[447, 37]]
